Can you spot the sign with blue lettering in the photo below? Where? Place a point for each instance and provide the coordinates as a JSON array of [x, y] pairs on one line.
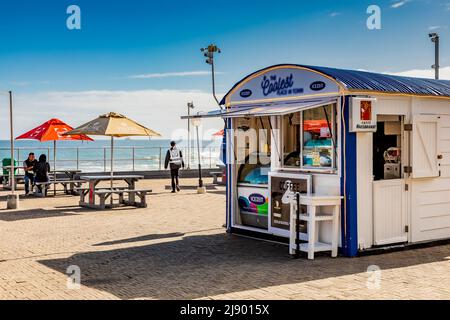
[[282, 83]]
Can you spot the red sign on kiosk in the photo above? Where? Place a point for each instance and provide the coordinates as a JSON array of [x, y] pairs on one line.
[[362, 115]]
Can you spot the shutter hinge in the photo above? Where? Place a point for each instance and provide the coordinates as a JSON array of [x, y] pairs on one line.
[[406, 229], [406, 187], [407, 169], [408, 127]]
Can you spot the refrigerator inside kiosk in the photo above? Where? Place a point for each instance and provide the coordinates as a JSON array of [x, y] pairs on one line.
[[253, 171]]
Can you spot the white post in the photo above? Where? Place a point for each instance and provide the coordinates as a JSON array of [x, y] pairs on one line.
[[13, 180], [12, 199]]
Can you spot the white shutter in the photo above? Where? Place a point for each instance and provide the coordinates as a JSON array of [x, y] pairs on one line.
[[425, 146]]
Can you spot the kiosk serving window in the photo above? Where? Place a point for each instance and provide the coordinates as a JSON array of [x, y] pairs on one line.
[[308, 138]]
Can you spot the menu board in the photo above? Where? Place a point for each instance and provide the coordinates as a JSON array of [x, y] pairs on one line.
[[283, 191]]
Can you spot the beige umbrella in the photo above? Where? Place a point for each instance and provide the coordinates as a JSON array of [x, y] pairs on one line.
[[113, 125]]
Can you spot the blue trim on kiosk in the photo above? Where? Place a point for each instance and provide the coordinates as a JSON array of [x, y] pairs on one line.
[[228, 186], [350, 237]]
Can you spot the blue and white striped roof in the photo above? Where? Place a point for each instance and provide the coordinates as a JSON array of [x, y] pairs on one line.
[[362, 81]]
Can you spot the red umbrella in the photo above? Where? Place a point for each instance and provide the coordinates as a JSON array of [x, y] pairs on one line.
[[218, 133], [52, 130]]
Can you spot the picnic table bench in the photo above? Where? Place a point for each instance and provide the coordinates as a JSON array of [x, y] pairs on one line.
[[7, 180], [67, 180], [216, 175], [70, 186], [104, 194], [127, 195]]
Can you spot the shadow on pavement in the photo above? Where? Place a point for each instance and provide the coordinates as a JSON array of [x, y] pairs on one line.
[[143, 238], [206, 265], [40, 213], [28, 214]]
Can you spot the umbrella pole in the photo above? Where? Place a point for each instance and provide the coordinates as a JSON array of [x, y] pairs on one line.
[[54, 167], [112, 166]]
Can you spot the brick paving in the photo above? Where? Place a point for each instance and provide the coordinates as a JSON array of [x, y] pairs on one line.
[[177, 249]]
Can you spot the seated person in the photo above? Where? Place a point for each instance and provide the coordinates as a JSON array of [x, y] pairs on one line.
[[28, 167], [42, 169]]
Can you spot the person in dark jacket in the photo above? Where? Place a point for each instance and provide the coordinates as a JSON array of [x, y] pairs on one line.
[[42, 169], [174, 158], [28, 167]]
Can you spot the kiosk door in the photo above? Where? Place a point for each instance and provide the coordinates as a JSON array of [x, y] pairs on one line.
[[389, 190], [389, 210]]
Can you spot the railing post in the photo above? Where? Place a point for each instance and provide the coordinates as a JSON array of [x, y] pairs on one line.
[[210, 158], [160, 159], [104, 159], [133, 157], [78, 158]]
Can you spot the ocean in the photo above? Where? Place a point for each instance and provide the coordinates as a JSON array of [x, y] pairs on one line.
[[129, 154]]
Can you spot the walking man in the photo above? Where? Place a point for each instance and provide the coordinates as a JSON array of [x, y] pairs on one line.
[[174, 157], [28, 167]]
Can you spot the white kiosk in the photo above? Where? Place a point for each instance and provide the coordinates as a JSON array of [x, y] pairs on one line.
[[381, 142]]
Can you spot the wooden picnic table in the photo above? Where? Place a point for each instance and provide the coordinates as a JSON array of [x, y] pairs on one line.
[[92, 191]]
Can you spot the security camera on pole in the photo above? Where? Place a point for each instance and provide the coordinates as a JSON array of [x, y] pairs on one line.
[[209, 52], [435, 39]]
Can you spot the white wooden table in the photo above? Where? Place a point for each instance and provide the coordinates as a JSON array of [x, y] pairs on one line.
[[313, 219]]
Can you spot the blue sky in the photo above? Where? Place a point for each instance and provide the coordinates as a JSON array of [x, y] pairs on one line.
[[121, 39]]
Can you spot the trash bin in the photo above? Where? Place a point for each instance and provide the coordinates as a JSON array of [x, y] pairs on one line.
[[7, 162]]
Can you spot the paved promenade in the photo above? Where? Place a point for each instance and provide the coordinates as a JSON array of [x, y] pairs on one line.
[[177, 249]]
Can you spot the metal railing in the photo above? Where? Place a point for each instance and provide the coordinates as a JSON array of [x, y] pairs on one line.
[[90, 159]]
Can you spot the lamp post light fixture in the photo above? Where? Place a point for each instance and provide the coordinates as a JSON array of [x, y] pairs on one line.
[[190, 106], [209, 52], [196, 122], [435, 39]]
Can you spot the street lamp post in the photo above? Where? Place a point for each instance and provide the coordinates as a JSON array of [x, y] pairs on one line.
[[435, 39], [13, 198], [209, 52], [196, 122], [190, 106]]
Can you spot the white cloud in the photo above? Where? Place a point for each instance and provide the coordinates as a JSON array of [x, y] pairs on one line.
[[172, 74], [157, 109], [432, 28], [399, 4], [334, 14], [444, 73]]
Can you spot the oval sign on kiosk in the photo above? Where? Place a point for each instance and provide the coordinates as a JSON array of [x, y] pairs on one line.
[[317, 85], [245, 93], [257, 199]]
